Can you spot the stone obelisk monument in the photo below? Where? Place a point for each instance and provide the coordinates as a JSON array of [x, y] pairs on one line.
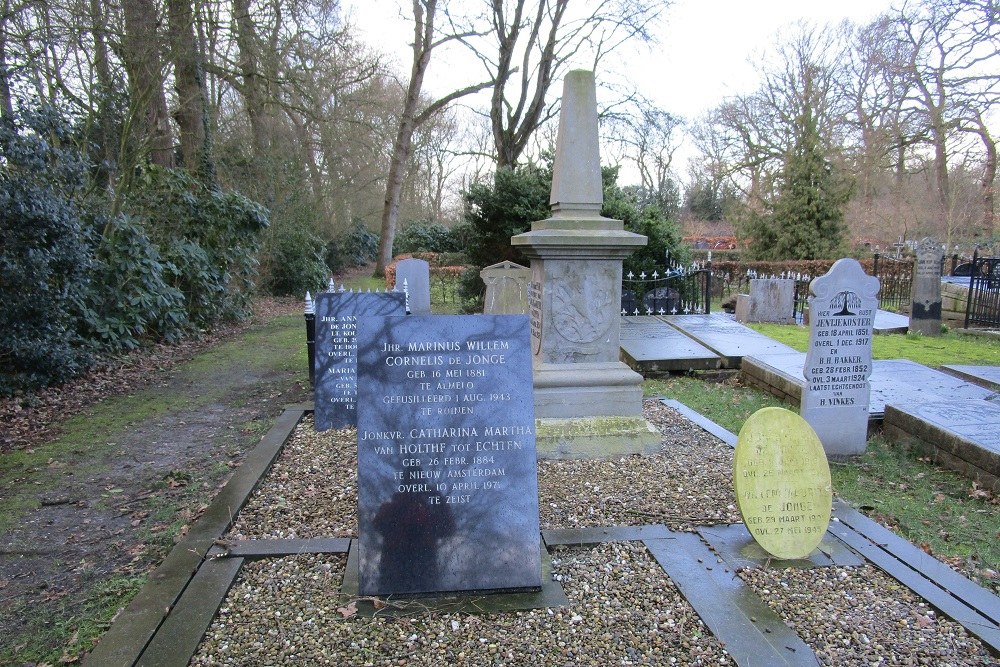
[[588, 403]]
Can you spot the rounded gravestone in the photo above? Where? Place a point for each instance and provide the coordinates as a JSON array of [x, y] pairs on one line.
[[782, 483]]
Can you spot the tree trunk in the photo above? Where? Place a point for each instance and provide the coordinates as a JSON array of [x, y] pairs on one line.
[[6, 105], [141, 57], [423, 36], [989, 178], [108, 143], [188, 82]]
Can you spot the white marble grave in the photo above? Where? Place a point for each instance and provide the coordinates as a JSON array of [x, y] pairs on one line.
[[838, 362]]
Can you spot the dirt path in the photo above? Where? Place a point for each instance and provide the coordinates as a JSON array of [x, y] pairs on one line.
[[98, 508]]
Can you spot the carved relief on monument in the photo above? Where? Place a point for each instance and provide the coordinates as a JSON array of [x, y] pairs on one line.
[[583, 315]]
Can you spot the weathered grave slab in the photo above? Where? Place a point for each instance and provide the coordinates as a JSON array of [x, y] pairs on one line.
[[962, 435], [770, 300], [736, 546], [782, 483], [779, 374], [905, 382], [447, 483], [899, 381], [729, 339], [984, 376], [337, 315], [506, 288], [925, 290], [415, 276], [835, 396], [890, 323], [650, 345]]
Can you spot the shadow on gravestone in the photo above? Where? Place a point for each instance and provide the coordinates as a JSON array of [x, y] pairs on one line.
[[337, 314], [447, 480]]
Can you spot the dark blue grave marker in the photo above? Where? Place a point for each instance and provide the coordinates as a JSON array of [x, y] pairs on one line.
[[447, 479], [337, 315]]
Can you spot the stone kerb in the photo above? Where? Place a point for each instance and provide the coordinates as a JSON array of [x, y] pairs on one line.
[[838, 362]]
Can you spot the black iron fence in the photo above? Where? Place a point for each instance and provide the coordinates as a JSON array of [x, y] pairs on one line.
[[895, 278], [669, 290], [983, 307]]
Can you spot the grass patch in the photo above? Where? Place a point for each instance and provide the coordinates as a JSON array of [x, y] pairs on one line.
[[728, 403], [949, 348], [936, 509], [61, 637]]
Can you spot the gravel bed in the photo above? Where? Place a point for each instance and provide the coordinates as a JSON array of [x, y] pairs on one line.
[[861, 616], [624, 609]]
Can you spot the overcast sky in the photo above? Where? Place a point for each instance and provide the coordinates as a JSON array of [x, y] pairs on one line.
[[705, 52]]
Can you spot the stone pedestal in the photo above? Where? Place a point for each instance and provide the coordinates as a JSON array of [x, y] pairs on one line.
[[574, 300], [575, 303]]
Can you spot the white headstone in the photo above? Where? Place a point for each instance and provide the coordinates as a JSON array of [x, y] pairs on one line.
[[417, 277], [839, 359]]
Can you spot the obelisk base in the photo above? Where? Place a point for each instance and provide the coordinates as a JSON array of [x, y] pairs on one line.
[[595, 437], [590, 410]]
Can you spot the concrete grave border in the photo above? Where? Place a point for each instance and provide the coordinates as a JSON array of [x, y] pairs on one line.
[[167, 620]]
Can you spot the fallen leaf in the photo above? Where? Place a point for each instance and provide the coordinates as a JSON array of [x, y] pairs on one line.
[[348, 610]]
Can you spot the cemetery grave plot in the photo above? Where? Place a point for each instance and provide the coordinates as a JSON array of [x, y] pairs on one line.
[[640, 585]]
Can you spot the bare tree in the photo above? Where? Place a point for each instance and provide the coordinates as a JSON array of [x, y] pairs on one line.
[[648, 137], [954, 69], [534, 44], [414, 113]]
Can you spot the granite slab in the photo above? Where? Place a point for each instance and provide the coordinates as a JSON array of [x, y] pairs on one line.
[[890, 323], [650, 345], [726, 337], [984, 376], [446, 455], [962, 435]]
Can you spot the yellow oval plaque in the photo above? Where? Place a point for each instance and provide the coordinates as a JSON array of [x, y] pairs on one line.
[[782, 483]]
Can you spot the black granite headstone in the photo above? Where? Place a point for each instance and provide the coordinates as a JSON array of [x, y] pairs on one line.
[[447, 479], [337, 315]]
